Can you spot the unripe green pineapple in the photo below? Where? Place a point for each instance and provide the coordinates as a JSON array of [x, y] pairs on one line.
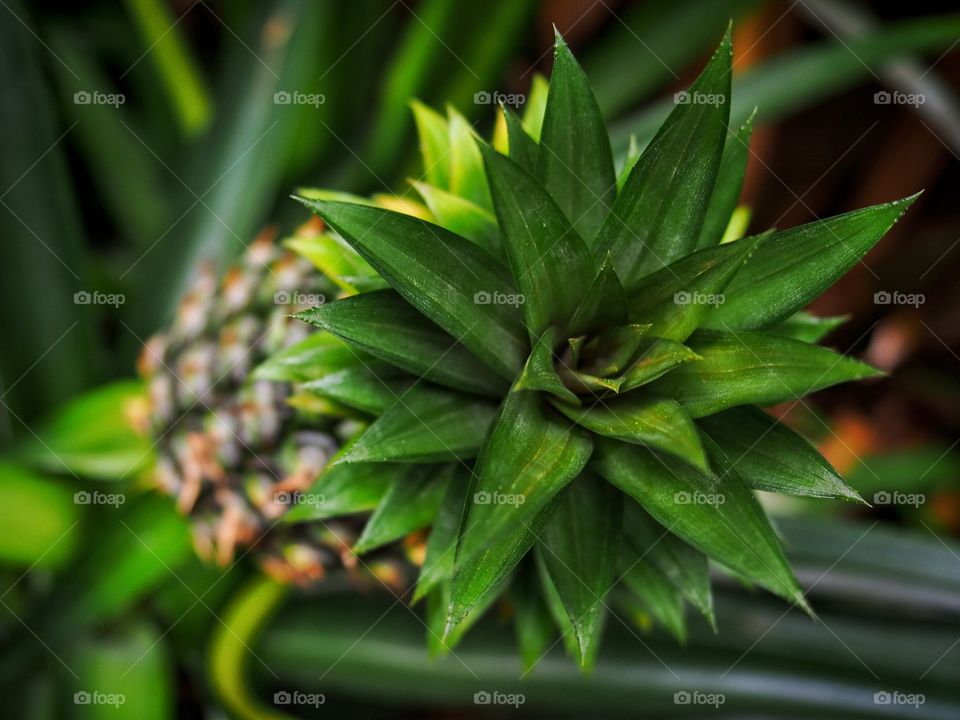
[[558, 368], [231, 450]]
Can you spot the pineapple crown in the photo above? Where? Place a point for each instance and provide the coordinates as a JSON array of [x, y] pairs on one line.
[[562, 368]]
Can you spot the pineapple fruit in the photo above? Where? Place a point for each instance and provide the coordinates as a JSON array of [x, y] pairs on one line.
[[547, 376], [231, 449]]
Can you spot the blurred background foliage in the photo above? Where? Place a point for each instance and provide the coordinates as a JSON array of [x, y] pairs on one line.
[[100, 589]]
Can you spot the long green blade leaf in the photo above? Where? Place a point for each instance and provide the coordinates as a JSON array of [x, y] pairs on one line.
[[726, 190], [643, 419], [447, 278], [409, 504], [574, 161], [754, 369], [770, 456], [657, 216], [530, 456], [549, 260], [791, 268], [579, 547], [385, 325], [425, 425], [717, 515]]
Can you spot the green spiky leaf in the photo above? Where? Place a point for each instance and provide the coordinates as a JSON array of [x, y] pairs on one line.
[[751, 368], [643, 419], [793, 267], [444, 276], [579, 548], [770, 456], [717, 514], [729, 183], [385, 326], [574, 161], [425, 425], [550, 262], [409, 504], [656, 218]]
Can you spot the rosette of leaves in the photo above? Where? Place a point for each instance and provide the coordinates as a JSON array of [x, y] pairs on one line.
[[567, 365]]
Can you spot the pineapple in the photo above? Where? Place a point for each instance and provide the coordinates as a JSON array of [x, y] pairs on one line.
[[553, 373], [231, 450]]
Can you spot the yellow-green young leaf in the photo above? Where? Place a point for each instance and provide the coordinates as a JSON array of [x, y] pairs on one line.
[[442, 542], [434, 133], [446, 277], [808, 328], [535, 106], [604, 303], [531, 617], [718, 515], [383, 324], [334, 258], [656, 218], [643, 419], [676, 299], [522, 149], [562, 620], [574, 160], [729, 183], [654, 358], [539, 372], [345, 490], [462, 217], [313, 357], [656, 593], [426, 424], [467, 178], [791, 268], [682, 564], [94, 435], [530, 455], [579, 548], [550, 263], [770, 456], [410, 503], [751, 368]]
